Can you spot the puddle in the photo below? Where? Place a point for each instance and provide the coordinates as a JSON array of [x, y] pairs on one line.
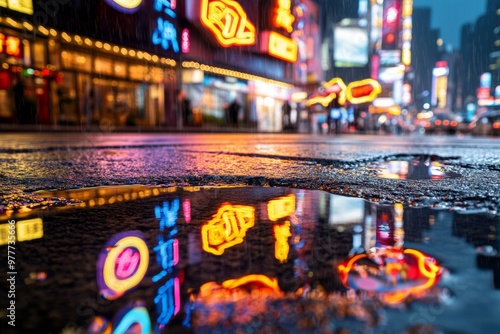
[[250, 260], [412, 170]]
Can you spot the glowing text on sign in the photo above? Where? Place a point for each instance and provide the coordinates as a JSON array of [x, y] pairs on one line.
[[283, 17], [281, 207], [228, 22], [165, 32], [282, 47], [125, 6], [281, 246], [228, 228]]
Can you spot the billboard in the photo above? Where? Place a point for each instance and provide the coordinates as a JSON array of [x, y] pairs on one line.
[[351, 46]]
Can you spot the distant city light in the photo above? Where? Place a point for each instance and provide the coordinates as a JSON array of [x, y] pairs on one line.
[[439, 41], [427, 105]]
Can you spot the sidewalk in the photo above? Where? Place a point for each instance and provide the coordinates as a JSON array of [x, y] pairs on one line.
[[124, 129]]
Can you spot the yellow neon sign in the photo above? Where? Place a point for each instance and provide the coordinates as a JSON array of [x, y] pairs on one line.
[[228, 22], [22, 6], [282, 47], [228, 228], [323, 100], [338, 86], [283, 17], [120, 286], [281, 246], [281, 207], [128, 4], [363, 91]]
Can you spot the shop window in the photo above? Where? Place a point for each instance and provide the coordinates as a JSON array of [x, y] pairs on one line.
[[39, 53], [26, 53], [54, 52], [138, 72], [157, 75], [66, 97], [120, 69], [103, 66], [76, 60]]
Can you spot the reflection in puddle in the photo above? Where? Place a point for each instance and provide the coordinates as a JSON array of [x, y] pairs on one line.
[[239, 260], [412, 170]]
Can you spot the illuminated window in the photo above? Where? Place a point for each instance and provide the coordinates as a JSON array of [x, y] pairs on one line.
[[103, 66], [76, 60], [138, 72]]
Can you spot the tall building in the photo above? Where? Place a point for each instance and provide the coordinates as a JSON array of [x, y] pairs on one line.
[[424, 55]]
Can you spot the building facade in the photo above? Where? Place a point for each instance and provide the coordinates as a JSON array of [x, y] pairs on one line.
[[114, 63]]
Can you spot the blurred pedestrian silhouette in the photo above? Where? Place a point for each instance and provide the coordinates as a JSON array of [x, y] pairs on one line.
[[20, 100], [234, 109], [184, 105]]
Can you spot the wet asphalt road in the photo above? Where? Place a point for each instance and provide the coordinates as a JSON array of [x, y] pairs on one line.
[[36, 161]]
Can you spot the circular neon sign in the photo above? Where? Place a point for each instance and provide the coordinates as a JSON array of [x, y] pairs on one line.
[[122, 264], [125, 6]]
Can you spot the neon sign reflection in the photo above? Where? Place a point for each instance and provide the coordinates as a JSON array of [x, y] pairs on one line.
[[128, 320], [122, 264], [167, 299], [394, 274], [228, 228]]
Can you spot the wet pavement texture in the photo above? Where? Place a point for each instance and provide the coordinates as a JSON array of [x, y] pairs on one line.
[[335, 164], [250, 260]]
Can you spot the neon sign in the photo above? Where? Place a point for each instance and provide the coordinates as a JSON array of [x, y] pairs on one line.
[[281, 207], [283, 17], [167, 300], [25, 229], [228, 22], [281, 246], [24, 6], [165, 32], [404, 273], [228, 228], [10, 46], [363, 91], [137, 318], [122, 264], [279, 46], [356, 92], [125, 6], [130, 319], [185, 41]]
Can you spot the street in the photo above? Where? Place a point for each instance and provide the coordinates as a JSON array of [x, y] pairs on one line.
[[233, 233], [39, 161]]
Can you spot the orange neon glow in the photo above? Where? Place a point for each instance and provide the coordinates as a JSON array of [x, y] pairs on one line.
[[227, 228], [281, 246], [428, 270], [24, 6], [263, 280], [281, 207], [360, 92], [282, 47], [228, 22], [283, 17]]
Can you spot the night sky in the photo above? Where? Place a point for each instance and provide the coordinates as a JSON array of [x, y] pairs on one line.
[[450, 15]]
